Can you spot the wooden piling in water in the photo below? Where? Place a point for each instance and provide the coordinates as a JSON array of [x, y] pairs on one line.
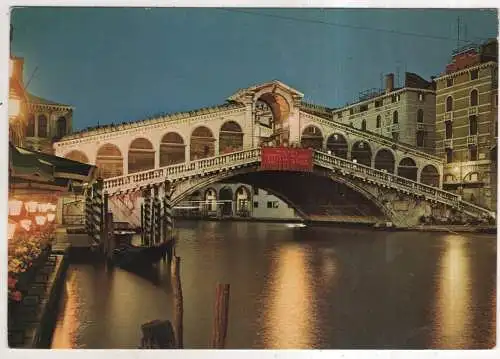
[[109, 237], [178, 302], [157, 215], [147, 216], [221, 312], [142, 224]]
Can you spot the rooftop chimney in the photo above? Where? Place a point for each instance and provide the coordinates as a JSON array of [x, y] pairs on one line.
[[389, 83]]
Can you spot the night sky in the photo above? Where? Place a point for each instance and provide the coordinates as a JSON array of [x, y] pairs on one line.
[[123, 64]]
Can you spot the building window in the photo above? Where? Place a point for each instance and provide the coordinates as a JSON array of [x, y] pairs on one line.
[[378, 103], [61, 127], [395, 98], [363, 108], [272, 204], [363, 125], [449, 104], [350, 124], [351, 111], [472, 125], [449, 82], [421, 97], [420, 138], [449, 155], [42, 126], [30, 128], [473, 153], [395, 136], [473, 74], [379, 121], [339, 114], [420, 115], [255, 191], [448, 127], [395, 118], [256, 205], [473, 98]]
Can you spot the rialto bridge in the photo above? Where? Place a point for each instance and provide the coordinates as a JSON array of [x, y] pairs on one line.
[[194, 149]]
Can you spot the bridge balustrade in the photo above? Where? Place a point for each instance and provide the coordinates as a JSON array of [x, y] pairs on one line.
[[252, 156]]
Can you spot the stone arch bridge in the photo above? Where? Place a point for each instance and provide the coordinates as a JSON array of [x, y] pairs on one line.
[[195, 148]]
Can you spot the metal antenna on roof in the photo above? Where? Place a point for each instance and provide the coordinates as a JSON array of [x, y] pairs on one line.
[[31, 78]]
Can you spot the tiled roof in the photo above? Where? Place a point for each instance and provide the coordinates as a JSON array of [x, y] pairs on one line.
[[41, 101]]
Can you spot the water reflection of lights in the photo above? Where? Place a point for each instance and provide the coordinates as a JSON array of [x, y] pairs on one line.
[[65, 332], [453, 314], [291, 315]]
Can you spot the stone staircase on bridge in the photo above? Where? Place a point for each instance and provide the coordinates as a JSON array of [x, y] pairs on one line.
[[184, 176]]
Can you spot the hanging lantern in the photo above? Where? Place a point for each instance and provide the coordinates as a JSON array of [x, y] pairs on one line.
[[51, 217], [12, 229], [40, 220], [25, 224], [15, 207], [31, 206]]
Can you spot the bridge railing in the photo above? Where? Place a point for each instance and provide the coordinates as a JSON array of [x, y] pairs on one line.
[[400, 183], [176, 171]]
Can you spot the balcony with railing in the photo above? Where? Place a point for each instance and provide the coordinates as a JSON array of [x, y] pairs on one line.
[[473, 111], [420, 126], [472, 140], [448, 116]]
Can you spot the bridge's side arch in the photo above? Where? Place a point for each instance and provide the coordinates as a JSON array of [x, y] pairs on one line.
[[210, 198], [226, 194], [407, 168], [172, 149], [243, 200], [338, 145], [109, 161], [78, 156], [429, 176], [202, 143], [230, 137], [385, 160], [141, 155], [362, 153], [312, 137]]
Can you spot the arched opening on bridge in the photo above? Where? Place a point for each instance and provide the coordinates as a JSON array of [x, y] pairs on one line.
[[384, 160], [109, 161], [211, 200], [273, 130], [407, 168], [362, 153], [312, 138], [172, 149], [430, 176], [337, 144], [243, 199], [202, 143], [141, 155], [230, 138], [226, 197], [78, 156]]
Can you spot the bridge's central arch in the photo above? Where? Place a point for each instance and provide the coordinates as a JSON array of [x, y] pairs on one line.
[[321, 195], [272, 111]]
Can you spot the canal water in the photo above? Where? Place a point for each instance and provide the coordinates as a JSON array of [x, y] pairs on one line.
[[320, 287]]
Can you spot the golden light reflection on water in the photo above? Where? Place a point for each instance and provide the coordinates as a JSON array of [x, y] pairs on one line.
[[453, 320], [65, 332], [291, 313]]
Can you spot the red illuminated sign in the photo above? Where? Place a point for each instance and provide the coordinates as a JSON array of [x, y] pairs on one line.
[[286, 159]]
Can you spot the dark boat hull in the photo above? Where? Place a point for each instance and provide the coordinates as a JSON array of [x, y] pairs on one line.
[[131, 257]]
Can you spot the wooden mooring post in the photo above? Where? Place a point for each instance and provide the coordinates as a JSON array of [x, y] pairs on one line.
[[221, 312], [109, 240], [178, 302], [142, 224]]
